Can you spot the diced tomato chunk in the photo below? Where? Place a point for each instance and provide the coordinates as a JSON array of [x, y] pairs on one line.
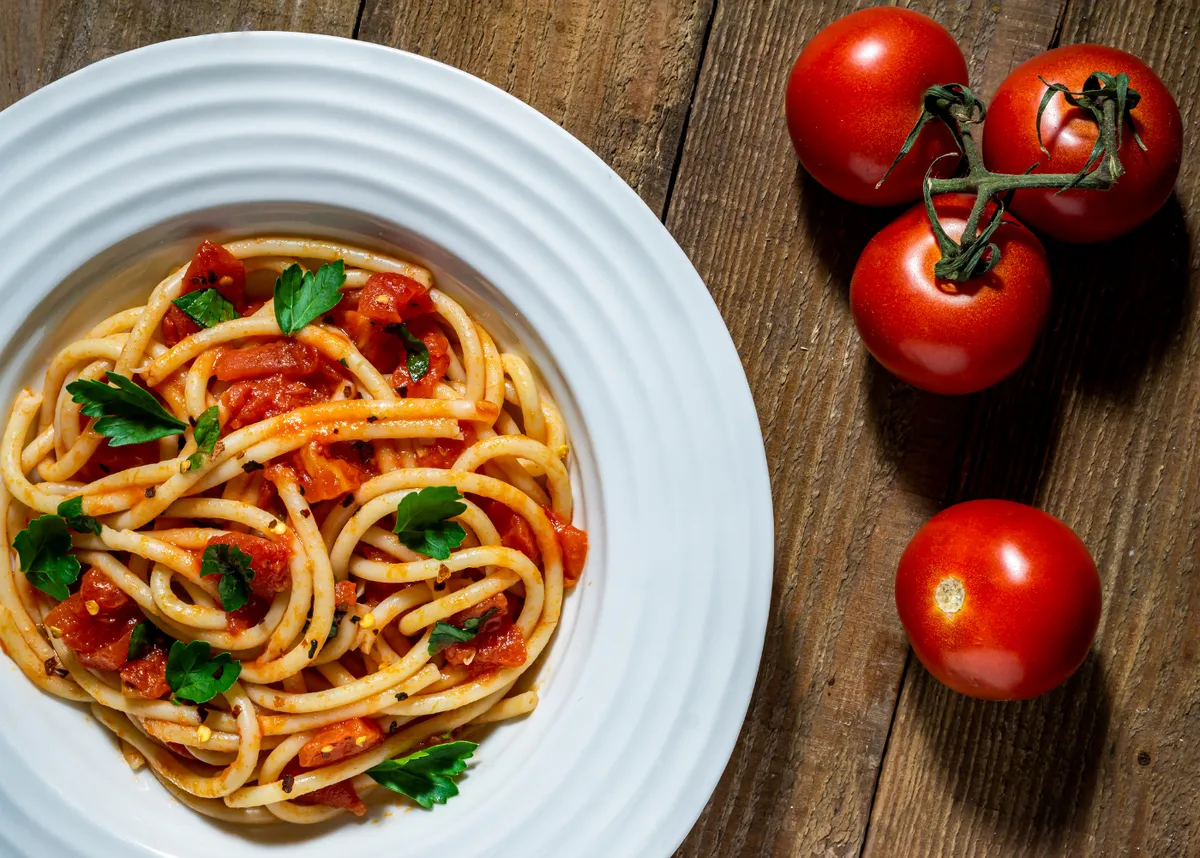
[[499, 643], [391, 298], [148, 675], [339, 741], [101, 639], [110, 656], [268, 559], [345, 594], [214, 267], [248, 402], [110, 460], [288, 358], [325, 475], [384, 350], [340, 794], [574, 544], [177, 325], [247, 616], [99, 588], [428, 332], [514, 530]]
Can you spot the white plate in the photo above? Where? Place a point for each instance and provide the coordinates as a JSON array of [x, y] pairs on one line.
[[113, 172]]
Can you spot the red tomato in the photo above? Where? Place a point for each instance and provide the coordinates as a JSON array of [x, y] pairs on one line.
[[1000, 600], [339, 741], [391, 297], [856, 92], [429, 333], [383, 350], [111, 460], [514, 531], [941, 336], [574, 544], [213, 267], [340, 794], [268, 559], [324, 475], [289, 358], [1010, 144], [148, 675], [101, 639], [249, 402]]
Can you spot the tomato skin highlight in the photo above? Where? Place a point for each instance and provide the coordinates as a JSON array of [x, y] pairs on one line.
[[1010, 144], [856, 92], [941, 336], [1018, 604]]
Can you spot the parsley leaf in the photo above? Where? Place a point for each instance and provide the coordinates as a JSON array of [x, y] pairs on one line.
[[421, 521], [425, 776], [139, 641], [128, 414], [72, 511], [206, 307], [233, 565], [196, 676], [445, 634], [208, 430], [301, 296], [418, 352], [42, 550]]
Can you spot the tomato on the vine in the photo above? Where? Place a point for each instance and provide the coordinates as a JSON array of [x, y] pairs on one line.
[[1010, 143], [1000, 600], [856, 92], [942, 336]]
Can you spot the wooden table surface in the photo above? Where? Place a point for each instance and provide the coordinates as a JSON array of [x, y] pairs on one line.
[[849, 747]]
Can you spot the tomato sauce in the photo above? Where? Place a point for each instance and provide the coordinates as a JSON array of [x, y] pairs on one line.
[[390, 298], [574, 544], [100, 640]]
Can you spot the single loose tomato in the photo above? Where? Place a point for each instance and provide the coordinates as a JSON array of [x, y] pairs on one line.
[[426, 330], [213, 267], [1010, 143], [269, 561], [1000, 600], [856, 92], [942, 336]]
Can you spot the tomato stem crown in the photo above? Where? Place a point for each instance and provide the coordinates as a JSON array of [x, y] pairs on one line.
[[1108, 98]]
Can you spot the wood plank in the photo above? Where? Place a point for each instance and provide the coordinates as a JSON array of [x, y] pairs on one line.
[[858, 461], [42, 40], [1100, 428], [617, 75]]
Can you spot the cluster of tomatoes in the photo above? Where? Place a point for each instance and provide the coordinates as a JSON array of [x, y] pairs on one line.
[[1000, 600]]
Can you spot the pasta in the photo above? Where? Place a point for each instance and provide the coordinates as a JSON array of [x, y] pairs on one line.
[[291, 542]]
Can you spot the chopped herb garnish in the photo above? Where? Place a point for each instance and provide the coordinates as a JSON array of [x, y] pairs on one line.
[[42, 551], [426, 776], [128, 413], [233, 565], [421, 521], [72, 511], [301, 296], [255, 466], [445, 634], [195, 675], [418, 352], [208, 430], [206, 308], [139, 641]]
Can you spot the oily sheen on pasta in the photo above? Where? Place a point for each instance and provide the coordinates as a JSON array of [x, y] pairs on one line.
[[293, 529]]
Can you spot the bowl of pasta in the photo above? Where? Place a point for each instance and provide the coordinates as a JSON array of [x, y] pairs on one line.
[[370, 458]]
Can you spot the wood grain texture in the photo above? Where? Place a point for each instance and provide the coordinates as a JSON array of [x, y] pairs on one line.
[[42, 40], [618, 74], [858, 461], [1099, 428]]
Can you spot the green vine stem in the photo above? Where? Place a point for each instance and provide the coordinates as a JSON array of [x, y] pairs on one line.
[[1106, 97]]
